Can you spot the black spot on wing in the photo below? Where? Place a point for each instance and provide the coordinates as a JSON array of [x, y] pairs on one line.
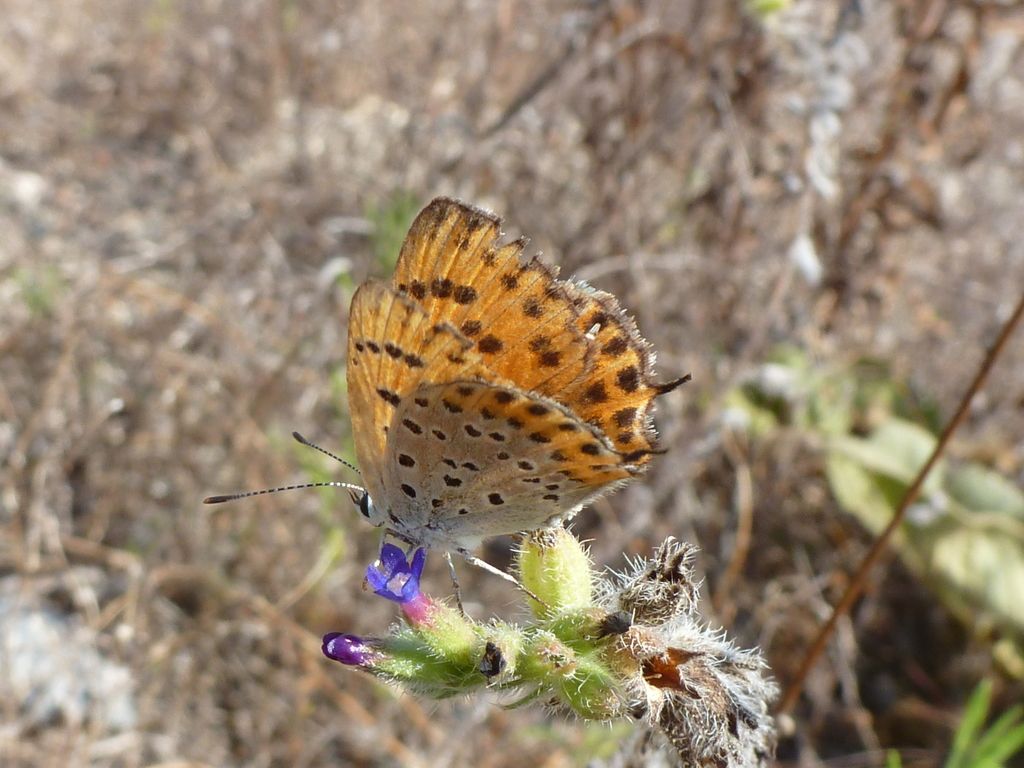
[[490, 345], [624, 417], [628, 379], [388, 396], [464, 294]]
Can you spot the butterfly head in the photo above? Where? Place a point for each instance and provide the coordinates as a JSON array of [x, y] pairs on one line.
[[367, 508]]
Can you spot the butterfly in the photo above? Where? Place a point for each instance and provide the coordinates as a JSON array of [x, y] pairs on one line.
[[486, 395]]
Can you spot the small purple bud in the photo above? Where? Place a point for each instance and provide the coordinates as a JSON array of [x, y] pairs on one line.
[[347, 649]]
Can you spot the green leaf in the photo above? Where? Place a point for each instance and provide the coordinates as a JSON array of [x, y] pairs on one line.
[[1007, 746], [391, 221], [741, 411], [870, 476], [985, 566], [869, 497], [830, 408], [40, 287], [970, 725], [765, 9], [998, 742], [981, 489], [897, 449], [974, 554]]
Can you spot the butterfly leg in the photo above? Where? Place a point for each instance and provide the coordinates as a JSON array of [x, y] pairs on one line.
[[484, 565], [455, 581]]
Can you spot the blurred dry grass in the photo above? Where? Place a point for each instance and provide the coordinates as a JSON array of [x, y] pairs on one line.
[[186, 193]]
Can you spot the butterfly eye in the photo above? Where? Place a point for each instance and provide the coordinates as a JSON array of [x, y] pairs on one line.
[[364, 505]]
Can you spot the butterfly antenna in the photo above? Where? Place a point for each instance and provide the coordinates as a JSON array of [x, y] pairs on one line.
[[234, 496], [299, 438]]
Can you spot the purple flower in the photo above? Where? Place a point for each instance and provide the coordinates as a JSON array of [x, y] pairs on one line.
[[394, 577], [348, 649]]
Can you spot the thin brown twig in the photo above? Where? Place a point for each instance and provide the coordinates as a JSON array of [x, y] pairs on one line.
[[857, 584], [744, 502]]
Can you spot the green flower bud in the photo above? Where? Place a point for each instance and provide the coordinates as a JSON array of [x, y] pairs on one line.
[[545, 658], [581, 680], [555, 567], [449, 633], [416, 659], [503, 646], [593, 691]]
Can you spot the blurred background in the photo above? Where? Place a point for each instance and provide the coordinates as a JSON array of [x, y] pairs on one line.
[[813, 207]]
